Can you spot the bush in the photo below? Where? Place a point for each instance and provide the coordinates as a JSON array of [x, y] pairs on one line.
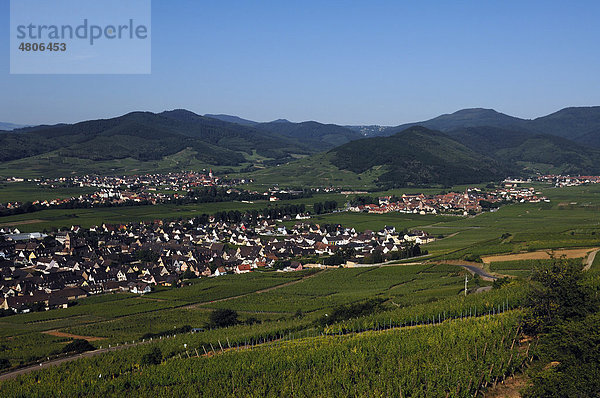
[[223, 317], [345, 312], [154, 357], [77, 346], [4, 363]]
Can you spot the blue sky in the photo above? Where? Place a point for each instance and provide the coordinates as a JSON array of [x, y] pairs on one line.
[[350, 62]]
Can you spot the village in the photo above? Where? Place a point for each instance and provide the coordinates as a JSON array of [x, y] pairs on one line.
[[40, 272], [148, 189], [470, 202]]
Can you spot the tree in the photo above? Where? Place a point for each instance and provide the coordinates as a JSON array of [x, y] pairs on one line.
[[223, 317], [78, 345], [558, 293], [154, 357]]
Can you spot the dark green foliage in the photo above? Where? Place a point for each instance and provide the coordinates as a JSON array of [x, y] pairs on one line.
[[4, 363], [326, 207], [498, 283], [312, 134], [570, 356], [78, 345], [564, 314], [417, 156], [558, 294], [147, 255], [154, 357], [348, 311], [223, 317]]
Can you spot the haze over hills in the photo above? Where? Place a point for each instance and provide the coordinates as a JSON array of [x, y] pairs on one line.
[[532, 151], [232, 119], [474, 117], [4, 126], [580, 124], [151, 137], [314, 134], [420, 156]]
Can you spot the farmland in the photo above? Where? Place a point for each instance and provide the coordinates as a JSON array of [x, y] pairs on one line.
[[373, 363], [119, 318], [285, 309]]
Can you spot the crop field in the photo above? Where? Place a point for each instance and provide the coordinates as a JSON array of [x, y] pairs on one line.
[[523, 268], [539, 255], [29, 192], [122, 317], [406, 284], [389, 363], [118, 318]]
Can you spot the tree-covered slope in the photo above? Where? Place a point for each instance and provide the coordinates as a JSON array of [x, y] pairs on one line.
[[417, 156], [314, 135], [510, 146], [149, 136]]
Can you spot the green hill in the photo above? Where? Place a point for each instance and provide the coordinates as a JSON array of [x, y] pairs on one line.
[[312, 134], [579, 124], [145, 136], [547, 152], [417, 156], [473, 117]]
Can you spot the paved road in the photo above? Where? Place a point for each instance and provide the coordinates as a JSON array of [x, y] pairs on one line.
[[474, 268]]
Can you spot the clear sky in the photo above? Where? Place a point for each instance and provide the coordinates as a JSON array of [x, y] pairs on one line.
[[345, 62]]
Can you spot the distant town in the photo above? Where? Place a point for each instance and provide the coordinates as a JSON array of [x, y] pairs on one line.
[[471, 202]]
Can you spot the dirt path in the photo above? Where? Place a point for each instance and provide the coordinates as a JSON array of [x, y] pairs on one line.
[[56, 333], [509, 389], [590, 260], [269, 289]]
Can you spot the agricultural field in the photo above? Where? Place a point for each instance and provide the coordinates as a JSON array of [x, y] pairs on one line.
[[265, 297], [286, 309], [463, 356], [121, 317], [523, 268], [29, 192]]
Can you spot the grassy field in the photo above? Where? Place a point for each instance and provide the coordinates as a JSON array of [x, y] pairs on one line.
[[450, 359], [30, 191], [52, 164], [523, 268], [118, 318], [312, 172]]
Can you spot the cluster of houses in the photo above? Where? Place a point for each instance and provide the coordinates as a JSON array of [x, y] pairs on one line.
[[568, 181], [469, 202], [47, 271], [140, 189], [172, 181]]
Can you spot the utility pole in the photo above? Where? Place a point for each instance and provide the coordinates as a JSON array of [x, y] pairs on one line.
[[466, 280]]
